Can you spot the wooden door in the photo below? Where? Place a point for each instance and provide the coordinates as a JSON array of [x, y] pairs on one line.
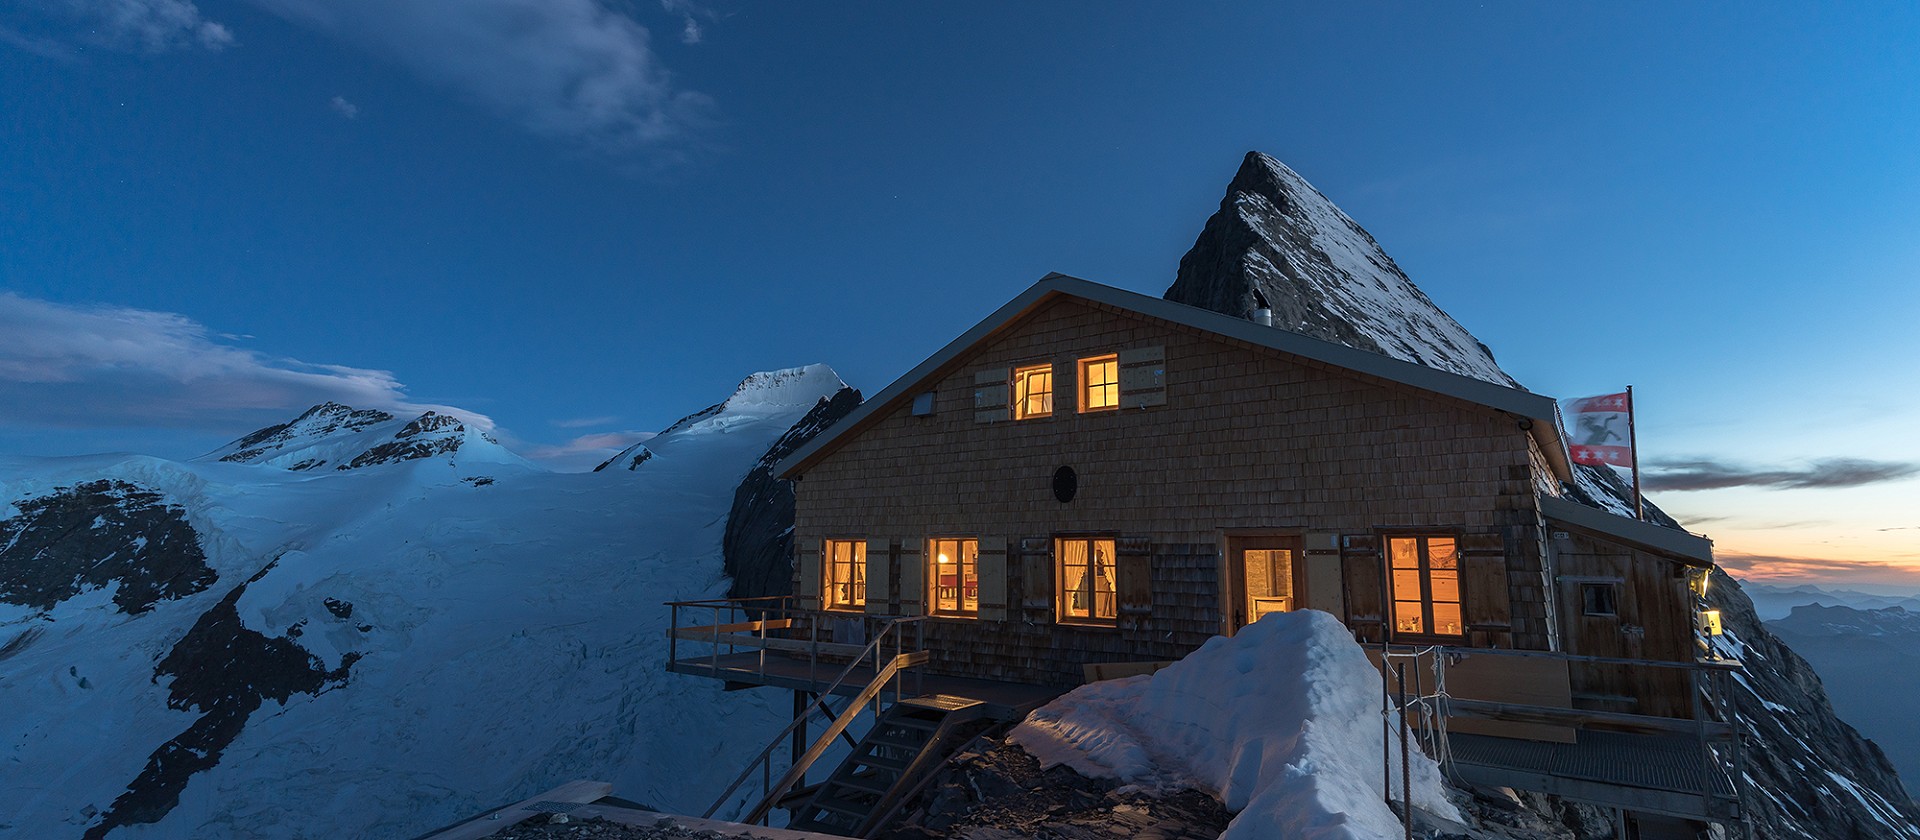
[[1262, 576]]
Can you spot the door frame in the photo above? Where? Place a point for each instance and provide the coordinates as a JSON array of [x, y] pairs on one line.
[[1233, 570]]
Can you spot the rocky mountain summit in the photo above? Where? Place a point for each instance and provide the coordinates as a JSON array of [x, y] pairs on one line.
[[1276, 240]]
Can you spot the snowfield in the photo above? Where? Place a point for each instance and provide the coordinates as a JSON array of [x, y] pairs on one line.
[[1281, 722], [501, 628]]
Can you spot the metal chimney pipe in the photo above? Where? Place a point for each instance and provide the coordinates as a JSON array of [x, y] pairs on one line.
[[1263, 317]]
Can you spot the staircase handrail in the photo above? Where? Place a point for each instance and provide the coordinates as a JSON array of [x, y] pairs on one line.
[[820, 700], [839, 725]]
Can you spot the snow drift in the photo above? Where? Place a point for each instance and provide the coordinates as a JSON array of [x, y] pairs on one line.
[[1281, 722]]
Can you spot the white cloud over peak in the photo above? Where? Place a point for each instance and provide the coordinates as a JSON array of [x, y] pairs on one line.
[[341, 106], [64, 366], [572, 69]]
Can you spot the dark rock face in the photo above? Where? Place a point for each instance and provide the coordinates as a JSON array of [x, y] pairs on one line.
[[98, 534], [413, 442], [759, 539], [1797, 750], [1277, 238], [226, 671], [629, 459], [327, 418]]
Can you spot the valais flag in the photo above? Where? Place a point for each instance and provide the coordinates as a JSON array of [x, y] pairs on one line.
[[1597, 429]]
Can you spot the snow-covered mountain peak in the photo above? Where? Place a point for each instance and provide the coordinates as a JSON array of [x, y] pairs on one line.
[[799, 386], [1277, 239], [340, 437], [788, 393]]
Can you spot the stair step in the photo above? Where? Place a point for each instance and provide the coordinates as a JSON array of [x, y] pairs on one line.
[[897, 740], [914, 721], [877, 785], [881, 762], [856, 810]]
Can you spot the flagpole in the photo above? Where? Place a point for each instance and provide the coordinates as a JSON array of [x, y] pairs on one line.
[[1633, 447]]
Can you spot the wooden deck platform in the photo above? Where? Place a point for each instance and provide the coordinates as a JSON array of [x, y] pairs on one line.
[[1003, 700], [1662, 774]]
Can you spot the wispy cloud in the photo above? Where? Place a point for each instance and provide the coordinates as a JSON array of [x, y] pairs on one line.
[[42, 47], [1709, 474], [586, 451], [137, 26], [1774, 569], [65, 366], [584, 422], [692, 30], [341, 106], [571, 69]]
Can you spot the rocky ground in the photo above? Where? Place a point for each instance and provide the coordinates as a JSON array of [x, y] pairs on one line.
[[998, 792], [562, 827]]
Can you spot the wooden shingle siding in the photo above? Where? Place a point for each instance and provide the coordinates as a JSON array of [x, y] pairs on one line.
[[1249, 440]]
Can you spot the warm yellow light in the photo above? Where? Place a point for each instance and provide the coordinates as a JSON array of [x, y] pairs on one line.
[[943, 558], [1710, 622]]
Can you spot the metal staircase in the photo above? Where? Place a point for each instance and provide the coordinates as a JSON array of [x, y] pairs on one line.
[[912, 738]]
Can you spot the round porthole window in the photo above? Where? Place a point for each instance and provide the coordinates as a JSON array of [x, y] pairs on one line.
[[1065, 484]]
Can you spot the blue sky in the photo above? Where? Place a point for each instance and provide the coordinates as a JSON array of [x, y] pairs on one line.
[[582, 221]]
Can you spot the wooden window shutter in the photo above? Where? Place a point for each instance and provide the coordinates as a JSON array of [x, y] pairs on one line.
[[913, 578], [991, 567], [1143, 377], [879, 577], [1323, 589], [992, 396], [1360, 571], [1036, 573], [1133, 574], [808, 561], [1483, 583]]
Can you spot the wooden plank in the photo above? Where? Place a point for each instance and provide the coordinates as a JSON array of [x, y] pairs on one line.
[[751, 642], [578, 791], [723, 629]]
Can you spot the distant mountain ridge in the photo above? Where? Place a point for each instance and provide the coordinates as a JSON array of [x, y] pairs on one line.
[[340, 437]]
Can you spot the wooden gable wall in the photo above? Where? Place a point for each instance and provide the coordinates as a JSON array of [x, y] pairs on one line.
[[1248, 440]]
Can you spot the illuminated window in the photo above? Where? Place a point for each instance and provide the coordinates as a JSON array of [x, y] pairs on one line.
[[1085, 578], [846, 577], [1032, 391], [954, 576], [1100, 383], [1426, 586]]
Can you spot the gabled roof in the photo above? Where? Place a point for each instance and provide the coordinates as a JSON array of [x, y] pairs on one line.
[[1524, 404], [1672, 542]]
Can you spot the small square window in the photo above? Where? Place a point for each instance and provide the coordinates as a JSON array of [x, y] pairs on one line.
[[1597, 599], [1100, 383], [1032, 392]]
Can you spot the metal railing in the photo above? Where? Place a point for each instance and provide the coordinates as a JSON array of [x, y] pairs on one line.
[[1713, 727], [774, 626], [901, 660]]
